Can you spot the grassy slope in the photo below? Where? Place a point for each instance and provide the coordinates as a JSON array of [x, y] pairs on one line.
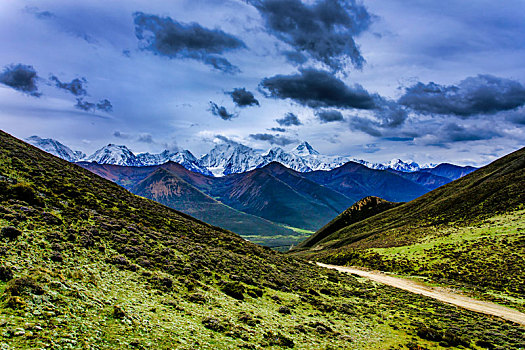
[[94, 266], [455, 234]]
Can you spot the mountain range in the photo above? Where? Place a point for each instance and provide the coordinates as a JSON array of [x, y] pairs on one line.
[[260, 196], [269, 201], [225, 158]]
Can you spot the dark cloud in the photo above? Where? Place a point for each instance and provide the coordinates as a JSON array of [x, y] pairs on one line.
[[225, 139], [389, 113], [167, 37], [329, 116], [221, 111], [105, 106], [288, 120], [483, 94], [278, 129], [22, 78], [386, 115], [295, 57], [365, 125], [324, 30], [121, 135], [317, 88], [243, 98], [516, 117], [273, 139], [145, 138], [102, 105], [85, 105], [76, 86], [453, 132]]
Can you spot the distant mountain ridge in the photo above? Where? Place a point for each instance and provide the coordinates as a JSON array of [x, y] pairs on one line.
[[230, 157]]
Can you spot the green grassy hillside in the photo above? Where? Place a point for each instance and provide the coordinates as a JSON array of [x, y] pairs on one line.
[[85, 264], [468, 232]]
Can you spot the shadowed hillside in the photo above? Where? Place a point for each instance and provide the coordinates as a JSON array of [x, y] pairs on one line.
[[361, 210], [356, 181]]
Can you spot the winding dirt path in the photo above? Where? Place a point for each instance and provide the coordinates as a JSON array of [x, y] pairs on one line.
[[437, 293]]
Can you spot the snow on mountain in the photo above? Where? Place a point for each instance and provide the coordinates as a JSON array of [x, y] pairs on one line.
[[188, 160], [114, 154], [304, 149], [399, 165], [225, 158], [290, 160], [315, 160], [56, 148], [230, 158]]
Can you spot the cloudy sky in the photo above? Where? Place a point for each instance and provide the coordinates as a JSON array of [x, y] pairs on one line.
[[421, 80]]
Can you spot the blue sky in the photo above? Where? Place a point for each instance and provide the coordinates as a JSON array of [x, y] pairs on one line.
[[428, 81]]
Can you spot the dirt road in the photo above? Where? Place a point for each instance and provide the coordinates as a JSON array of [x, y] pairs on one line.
[[441, 294]]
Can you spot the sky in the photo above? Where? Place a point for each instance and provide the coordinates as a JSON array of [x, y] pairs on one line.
[[375, 80]]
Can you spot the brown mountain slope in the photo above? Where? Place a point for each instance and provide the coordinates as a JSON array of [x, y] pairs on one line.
[[169, 189]]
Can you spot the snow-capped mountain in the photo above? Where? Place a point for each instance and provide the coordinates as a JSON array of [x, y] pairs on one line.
[[225, 158], [304, 150], [189, 161], [399, 165], [184, 158], [291, 160], [114, 154], [231, 158], [56, 148]]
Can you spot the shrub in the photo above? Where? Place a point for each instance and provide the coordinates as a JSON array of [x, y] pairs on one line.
[[24, 192], [278, 339], [56, 257], [197, 298], [10, 232], [6, 273], [118, 312], [24, 285], [213, 324], [234, 289], [284, 310]]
